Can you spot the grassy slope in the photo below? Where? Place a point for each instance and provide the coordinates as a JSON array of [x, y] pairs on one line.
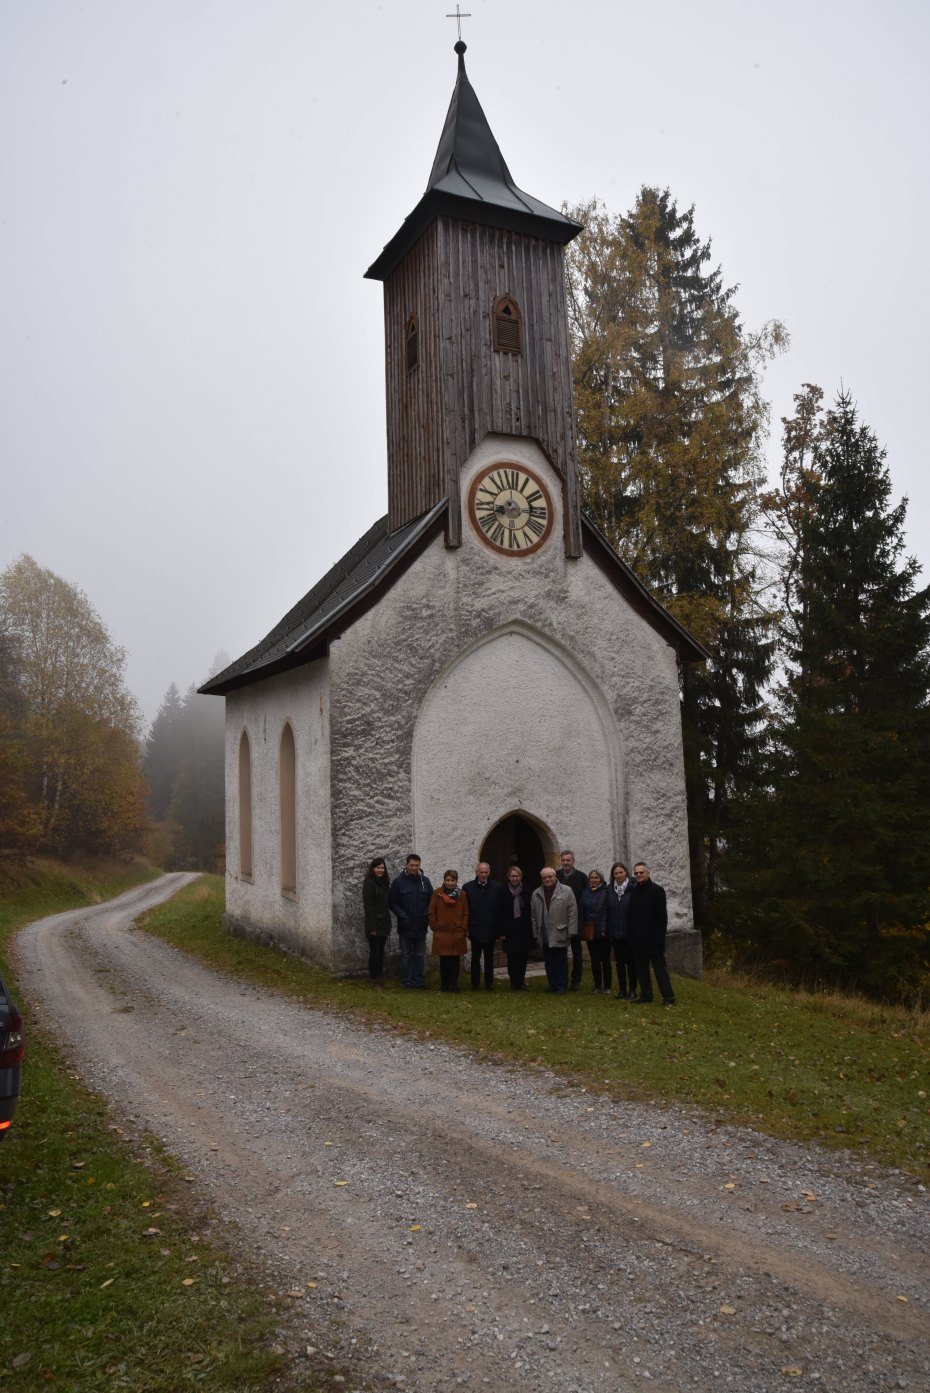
[[836, 1069], [98, 1302]]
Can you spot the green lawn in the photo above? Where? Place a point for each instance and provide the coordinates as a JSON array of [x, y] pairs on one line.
[[837, 1069], [107, 1280]]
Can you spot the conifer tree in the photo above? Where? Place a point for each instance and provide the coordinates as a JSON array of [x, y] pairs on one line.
[[833, 866], [185, 767], [671, 420]]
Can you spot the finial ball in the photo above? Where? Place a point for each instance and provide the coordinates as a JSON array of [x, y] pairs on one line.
[[460, 47]]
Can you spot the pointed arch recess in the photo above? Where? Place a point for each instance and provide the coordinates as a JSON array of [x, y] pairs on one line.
[[287, 788], [589, 710], [245, 806]]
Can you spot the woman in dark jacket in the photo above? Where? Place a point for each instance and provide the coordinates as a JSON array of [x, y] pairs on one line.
[[375, 888], [618, 915], [593, 920], [515, 926]]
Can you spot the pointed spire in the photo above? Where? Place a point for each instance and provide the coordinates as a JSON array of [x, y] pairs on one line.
[[468, 159], [470, 180]]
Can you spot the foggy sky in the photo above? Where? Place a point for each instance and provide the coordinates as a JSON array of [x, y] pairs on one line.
[[192, 377]]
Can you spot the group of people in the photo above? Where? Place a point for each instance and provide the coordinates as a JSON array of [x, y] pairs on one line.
[[623, 921]]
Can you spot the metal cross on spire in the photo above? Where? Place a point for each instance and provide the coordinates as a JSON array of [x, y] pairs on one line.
[[458, 17]]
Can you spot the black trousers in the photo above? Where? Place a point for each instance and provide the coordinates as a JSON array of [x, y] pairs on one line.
[[449, 973], [657, 962], [479, 950], [376, 947], [577, 959], [599, 948], [626, 968], [516, 971]]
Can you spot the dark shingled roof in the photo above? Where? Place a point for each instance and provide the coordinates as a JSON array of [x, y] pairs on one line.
[[470, 180], [371, 567], [305, 628]]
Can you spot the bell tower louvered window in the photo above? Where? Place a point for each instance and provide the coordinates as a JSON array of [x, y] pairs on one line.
[[508, 326], [413, 343]]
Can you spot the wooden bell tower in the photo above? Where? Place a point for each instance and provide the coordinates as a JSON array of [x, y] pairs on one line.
[[476, 329]]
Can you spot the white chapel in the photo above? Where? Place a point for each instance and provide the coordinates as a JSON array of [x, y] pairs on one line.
[[480, 676]]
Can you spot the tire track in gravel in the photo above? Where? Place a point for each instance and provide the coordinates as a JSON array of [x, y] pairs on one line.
[[497, 1229]]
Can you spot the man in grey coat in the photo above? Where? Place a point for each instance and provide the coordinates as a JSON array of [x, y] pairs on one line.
[[555, 919]]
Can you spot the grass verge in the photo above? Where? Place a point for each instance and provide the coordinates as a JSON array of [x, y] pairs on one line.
[[111, 1278], [835, 1069]]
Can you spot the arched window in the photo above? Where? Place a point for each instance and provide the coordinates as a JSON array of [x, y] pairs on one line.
[[287, 779], [413, 343], [245, 806], [508, 326]]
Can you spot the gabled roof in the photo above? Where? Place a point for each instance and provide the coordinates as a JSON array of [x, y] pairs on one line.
[[470, 180], [371, 567], [336, 601]]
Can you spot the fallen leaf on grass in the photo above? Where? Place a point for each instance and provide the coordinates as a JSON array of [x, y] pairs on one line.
[[187, 1281], [54, 1213], [21, 1359], [107, 1282]]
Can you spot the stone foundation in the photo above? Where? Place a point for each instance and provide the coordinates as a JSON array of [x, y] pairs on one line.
[[684, 952]]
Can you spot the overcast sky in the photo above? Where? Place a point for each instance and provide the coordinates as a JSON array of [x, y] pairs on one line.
[[192, 381]]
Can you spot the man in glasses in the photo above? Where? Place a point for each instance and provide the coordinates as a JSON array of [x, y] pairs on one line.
[[647, 925]]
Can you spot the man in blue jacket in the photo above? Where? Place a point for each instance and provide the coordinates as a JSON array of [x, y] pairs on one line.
[[409, 900]]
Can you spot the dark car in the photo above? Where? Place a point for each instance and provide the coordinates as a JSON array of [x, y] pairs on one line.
[[12, 1051]]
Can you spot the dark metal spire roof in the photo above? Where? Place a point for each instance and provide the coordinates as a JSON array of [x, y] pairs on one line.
[[470, 180]]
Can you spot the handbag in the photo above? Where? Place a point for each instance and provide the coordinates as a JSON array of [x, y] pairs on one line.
[[587, 932]]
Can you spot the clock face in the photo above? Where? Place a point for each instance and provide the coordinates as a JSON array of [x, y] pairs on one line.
[[511, 509]]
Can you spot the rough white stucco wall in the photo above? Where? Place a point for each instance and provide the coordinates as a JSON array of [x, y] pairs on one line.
[[303, 921], [522, 728], [554, 610]]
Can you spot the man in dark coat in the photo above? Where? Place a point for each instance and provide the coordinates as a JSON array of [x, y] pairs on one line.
[[484, 901], [577, 882], [648, 921], [409, 900]]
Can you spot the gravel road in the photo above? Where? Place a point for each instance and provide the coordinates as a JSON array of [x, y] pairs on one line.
[[442, 1223]]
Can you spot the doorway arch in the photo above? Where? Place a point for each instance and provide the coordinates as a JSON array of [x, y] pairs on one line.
[[517, 840]]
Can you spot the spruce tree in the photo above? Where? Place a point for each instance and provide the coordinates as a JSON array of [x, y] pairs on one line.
[[833, 867], [163, 753], [671, 421]]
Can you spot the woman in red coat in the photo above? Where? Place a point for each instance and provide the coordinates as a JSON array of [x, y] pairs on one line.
[[448, 919]]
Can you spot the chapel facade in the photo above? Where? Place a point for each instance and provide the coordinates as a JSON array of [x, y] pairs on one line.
[[481, 676]]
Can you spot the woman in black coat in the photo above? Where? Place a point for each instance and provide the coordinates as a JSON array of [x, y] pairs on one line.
[[618, 916], [515, 926], [375, 888], [593, 920]]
